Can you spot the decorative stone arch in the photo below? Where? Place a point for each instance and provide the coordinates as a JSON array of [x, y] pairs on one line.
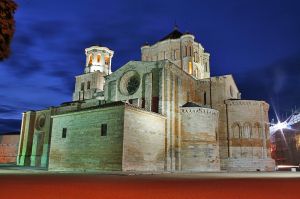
[[256, 131], [247, 130], [236, 130]]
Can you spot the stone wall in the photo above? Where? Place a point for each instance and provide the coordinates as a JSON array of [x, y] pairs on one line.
[[199, 150], [84, 147], [144, 140], [9, 148]]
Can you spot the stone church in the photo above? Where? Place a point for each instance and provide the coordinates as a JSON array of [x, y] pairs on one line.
[[164, 113]]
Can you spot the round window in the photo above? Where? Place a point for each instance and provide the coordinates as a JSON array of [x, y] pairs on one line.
[[129, 83], [40, 122]]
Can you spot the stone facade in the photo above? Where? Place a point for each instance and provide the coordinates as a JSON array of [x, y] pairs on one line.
[[249, 140], [199, 147], [9, 148], [177, 117], [85, 146], [143, 146]]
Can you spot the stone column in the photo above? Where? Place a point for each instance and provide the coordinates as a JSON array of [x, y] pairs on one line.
[[24, 156]]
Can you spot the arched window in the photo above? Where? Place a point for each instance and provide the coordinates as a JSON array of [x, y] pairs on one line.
[[235, 130], [98, 58], [107, 60], [190, 51], [204, 98], [196, 57], [247, 130], [256, 131], [90, 59], [186, 51]]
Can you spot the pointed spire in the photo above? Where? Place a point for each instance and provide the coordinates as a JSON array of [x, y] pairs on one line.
[[175, 26]]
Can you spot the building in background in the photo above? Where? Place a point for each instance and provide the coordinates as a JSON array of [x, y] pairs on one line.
[[9, 147], [163, 113], [285, 139]]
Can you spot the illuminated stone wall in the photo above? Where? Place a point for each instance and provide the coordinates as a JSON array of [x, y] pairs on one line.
[[248, 134], [9, 148], [199, 147], [144, 141], [84, 148], [125, 147]]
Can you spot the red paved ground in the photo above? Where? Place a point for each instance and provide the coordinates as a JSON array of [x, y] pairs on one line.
[[150, 187]]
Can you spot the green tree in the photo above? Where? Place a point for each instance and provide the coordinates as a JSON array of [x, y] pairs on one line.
[[7, 26]]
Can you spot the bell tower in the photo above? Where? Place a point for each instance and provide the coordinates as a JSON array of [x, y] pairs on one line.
[[90, 85], [98, 59]]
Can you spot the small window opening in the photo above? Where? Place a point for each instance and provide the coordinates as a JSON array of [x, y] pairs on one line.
[[64, 133], [103, 129]]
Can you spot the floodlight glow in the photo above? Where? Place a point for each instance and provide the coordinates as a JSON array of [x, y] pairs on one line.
[[281, 125]]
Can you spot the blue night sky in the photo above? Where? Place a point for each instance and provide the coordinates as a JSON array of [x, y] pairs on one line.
[[257, 41]]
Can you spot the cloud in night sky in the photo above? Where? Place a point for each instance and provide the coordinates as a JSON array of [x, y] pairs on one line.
[[256, 41]]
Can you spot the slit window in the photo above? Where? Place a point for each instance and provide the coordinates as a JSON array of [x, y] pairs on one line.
[[64, 133], [88, 85], [190, 68], [82, 86], [206, 68], [103, 129]]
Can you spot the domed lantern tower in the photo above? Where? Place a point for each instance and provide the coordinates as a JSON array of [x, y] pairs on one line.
[[90, 85], [98, 59]]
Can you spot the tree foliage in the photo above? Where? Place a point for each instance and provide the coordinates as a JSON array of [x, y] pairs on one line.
[[7, 26]]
